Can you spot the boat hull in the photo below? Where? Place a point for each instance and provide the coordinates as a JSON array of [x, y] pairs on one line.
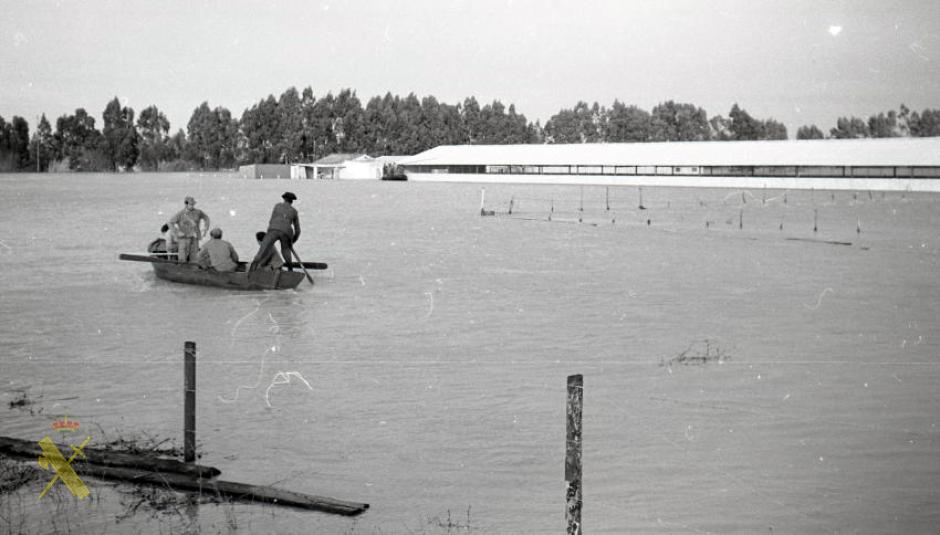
[[233, 280]]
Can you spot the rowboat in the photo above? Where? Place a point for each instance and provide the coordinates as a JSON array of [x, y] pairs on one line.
[[240, 279]]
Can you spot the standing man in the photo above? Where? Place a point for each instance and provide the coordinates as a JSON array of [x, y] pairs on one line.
[[188, 232], [284, 227]]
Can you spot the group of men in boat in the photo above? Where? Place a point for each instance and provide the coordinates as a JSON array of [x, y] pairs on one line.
[[183, 232]]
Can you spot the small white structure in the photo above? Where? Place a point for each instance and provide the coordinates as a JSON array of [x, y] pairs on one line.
[[265, 170], [344, 167]]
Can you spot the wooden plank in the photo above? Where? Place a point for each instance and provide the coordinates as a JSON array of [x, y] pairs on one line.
[[829, 242], [230, 489], [143, 258], [156, 260], [102, 457]]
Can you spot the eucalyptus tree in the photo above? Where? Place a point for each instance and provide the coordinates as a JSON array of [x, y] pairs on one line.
[[41, 146], [14, 144], [407, 138], [849, 128], [809, 132], [259, 132], [926, 123], [672, 121], [347, 121], [563, 127], [78, 142], [773, 129], [627, 123], [720, 129], [743, 126], [288, 145], [153, 130], [470, 121], [213, 137], [308, 125], [377, 117], [120, 136]]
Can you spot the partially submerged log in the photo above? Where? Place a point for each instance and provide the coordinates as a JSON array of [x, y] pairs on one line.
[[121, 459], [829, 242], [151, 470], [229, 489]]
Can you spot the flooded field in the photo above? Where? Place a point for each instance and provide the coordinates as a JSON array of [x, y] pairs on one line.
[[743, 372]]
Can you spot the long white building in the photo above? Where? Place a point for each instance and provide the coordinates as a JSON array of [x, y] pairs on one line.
[[911, 164]]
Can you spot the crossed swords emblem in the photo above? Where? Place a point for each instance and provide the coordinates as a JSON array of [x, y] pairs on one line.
[[52, 457]]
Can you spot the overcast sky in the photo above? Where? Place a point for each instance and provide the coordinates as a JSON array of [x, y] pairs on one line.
[[799, 61]]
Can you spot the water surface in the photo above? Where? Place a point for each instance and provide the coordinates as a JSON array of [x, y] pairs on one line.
[[437, 345]]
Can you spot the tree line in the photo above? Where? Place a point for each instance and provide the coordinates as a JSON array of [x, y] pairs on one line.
[[300, 127]]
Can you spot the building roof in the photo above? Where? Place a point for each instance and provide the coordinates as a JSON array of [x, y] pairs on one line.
[[822, 152], [391, 158], [338, 157]]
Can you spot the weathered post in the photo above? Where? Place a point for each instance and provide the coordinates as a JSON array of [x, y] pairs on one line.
[[573, 455], [581, 206], [482, 201], [189, 402]]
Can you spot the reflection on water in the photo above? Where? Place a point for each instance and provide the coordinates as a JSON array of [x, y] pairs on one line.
[[424, 373]]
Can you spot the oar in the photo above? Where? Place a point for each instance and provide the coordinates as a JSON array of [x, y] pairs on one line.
[[309, 278], [309, 265]]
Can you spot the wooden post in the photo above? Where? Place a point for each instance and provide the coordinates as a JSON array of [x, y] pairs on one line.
[[189, 402], [581, 206], [482, 201], [573, 455]]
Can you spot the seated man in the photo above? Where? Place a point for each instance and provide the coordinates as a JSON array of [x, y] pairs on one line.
[[218, 253], [275, 262]]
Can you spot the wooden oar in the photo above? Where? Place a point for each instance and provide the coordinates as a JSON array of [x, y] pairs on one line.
[[309, 278]]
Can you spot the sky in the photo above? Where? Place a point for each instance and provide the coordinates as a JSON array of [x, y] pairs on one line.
[[800, 61]]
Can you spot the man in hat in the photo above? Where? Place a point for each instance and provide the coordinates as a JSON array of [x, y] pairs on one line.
[[218, 253], [284, 227], [185, 224]]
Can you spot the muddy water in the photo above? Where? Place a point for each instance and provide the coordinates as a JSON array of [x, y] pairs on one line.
[[424, 373]]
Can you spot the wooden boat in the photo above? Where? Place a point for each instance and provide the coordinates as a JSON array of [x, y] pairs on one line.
[[241, 279]]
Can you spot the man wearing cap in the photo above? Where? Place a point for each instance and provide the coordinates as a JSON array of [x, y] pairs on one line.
[[218, 253], [188, 231], [284, 227]]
